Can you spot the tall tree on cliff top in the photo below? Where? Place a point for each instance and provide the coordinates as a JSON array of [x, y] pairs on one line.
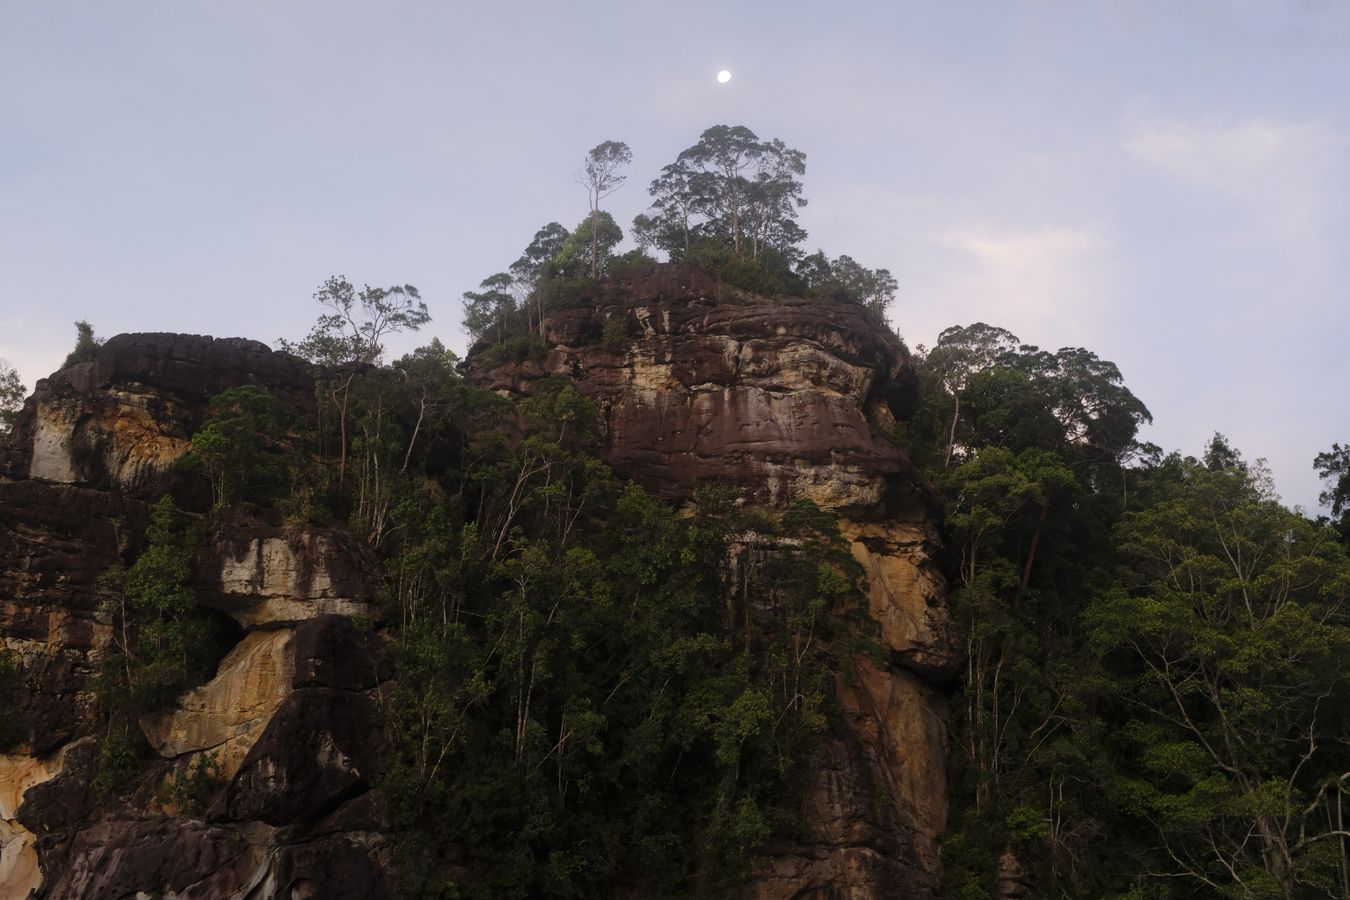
[[11, 397], [533, 266], [351, 335], [732, 187], [600, 176]]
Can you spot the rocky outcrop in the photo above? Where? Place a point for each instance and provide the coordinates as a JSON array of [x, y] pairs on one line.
[[778, 399], [784, 399], [285, 730], [120, 420], [262, 573]]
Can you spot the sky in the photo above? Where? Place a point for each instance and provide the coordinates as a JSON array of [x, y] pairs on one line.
[[1166, 184]]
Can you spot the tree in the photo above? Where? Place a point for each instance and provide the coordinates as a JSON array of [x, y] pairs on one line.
[[587, 251], [488, 309], [11, 397], [536, 264], [726, 153], [240, 446], [1333, 467], [600, 176], [847, 281], [960, 354], [773, 198], [730, 187], [675, 198], [354, 329], [86, 345], [1224, 643], [352, 334]]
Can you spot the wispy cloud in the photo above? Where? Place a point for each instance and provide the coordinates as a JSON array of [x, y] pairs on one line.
[[1284, 175], [1046, 283]]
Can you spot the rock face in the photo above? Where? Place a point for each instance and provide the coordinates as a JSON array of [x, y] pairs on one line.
[[778, 399], [286, 727], [786, 399]]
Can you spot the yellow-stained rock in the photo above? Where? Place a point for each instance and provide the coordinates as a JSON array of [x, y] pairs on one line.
[[19, 870], [901, 719], [228, 713], [906, 595]]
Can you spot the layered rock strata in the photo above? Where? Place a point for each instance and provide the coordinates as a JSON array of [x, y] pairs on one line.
[[783, 399], [777, 399], [287, 726]]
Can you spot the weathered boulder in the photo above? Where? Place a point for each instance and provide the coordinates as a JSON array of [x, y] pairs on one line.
[[92, 449], [264, 574], [157, 857], [123, 418], [322, 747], [906, 594], [20, 869], [227, 715]]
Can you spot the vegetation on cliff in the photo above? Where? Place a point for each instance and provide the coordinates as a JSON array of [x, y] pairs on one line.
[[727, 204], [597, 694], [1153, 697], [583, 700]]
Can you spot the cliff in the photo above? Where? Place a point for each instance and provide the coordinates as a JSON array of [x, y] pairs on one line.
[[782, 399], [288, 718], [778, 399]]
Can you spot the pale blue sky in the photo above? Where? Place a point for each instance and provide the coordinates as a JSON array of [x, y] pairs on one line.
[[1165, 183]]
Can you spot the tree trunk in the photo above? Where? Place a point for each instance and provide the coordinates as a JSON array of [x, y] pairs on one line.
[[951, 437], [595, 245], [1031, 551]]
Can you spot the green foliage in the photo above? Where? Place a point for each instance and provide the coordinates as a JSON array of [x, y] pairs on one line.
[[586, 698], [162, 642], [615, 330], [1149, 705], [767, 274], [118, 763], [728, 204], [243, 447], [730, 188], [1333, 467], [11, 398], [1226, 636], [600, 176], [622, 265], [587, 251], [845, 281], [191, 789], [86, 345], [12, 729], [354, 329]]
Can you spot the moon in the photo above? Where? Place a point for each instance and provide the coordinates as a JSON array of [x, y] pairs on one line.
[[723, 76]]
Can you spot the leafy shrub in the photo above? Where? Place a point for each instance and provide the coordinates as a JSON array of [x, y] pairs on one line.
[[86, 345], [192, 788], [11, 725], [615, 330], [118, 763]]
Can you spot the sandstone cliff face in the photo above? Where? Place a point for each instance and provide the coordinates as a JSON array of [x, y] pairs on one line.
[[780, 400], [785, 399], [288, 719]]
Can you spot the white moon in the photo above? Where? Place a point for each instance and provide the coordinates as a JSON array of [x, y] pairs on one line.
[[723, 76]]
